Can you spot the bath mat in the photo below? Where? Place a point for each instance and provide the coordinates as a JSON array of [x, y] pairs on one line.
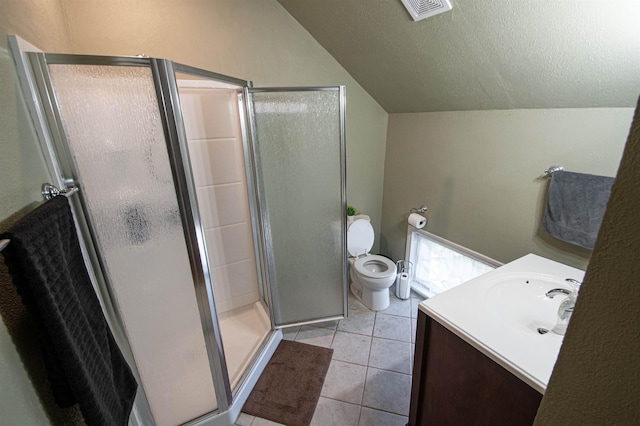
[[289, 388]]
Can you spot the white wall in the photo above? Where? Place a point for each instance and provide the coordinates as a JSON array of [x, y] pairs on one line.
[[480, 174], [217, 158]]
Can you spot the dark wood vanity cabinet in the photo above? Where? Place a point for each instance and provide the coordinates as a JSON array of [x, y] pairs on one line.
[[455, 384]]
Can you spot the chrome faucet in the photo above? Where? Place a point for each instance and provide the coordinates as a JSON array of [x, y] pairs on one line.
[[575, 283], [556, 291], [565, 310]]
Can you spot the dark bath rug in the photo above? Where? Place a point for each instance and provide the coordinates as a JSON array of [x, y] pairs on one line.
[[289, 388]]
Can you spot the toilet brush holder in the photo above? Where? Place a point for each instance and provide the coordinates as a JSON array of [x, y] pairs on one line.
[[403, 279]]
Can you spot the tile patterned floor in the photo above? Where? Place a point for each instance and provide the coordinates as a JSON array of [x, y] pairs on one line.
[[369, 378]]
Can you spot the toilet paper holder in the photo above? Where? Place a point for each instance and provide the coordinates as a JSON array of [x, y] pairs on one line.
[[404, 266], [403, 279], [421, 209]]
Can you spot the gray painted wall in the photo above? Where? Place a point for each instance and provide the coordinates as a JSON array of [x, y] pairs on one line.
[[253, 40], [24, 395], [489, 54], [595, 380], [479, 172]]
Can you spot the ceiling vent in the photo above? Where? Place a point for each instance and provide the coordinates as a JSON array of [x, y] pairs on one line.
[[420, 9]]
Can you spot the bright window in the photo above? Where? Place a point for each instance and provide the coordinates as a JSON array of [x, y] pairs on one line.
[[440, 265]]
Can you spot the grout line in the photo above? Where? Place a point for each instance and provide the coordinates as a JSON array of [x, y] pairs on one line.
[[364, 406], [366, 373], [215, 139], [332, 339], [231, 263], [384, 411], [339, 400], [393, 315], [227, 225], [222, 184], [367, 366]]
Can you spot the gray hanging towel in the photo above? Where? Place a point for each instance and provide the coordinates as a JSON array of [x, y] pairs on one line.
[[84, 364], [576, 206]]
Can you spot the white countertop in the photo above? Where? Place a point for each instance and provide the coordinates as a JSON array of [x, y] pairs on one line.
[[515, 345]]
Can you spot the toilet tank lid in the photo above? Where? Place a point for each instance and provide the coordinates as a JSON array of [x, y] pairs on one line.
[[360, 237]]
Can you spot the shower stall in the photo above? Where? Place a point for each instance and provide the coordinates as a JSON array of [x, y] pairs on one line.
[[211, 214]]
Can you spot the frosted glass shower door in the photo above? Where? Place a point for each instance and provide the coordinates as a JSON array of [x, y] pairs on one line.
[[115, 150], [299, 155]]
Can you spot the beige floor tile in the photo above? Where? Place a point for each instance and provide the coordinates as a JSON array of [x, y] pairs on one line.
[[414, 306], [355, 305], [392, 327], [315, 336], [351, 347], [331, 412], [387, 391], [414, 327], [359, 322], [371, 417], [344, 382], [398, 307], [244, 420], [264, 422], [390, 355], [290, 333], [325, 324]]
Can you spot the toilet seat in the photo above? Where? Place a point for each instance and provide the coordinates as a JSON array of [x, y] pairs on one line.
[[390, 267], [360, 237]]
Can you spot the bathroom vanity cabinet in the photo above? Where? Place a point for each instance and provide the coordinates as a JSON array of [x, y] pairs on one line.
[[455, 384], [480, 358]]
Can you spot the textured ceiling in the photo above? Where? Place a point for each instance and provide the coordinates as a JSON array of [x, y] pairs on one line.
[[484, 54]]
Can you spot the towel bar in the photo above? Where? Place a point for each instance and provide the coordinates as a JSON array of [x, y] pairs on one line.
[[552, 169], [48, 192]]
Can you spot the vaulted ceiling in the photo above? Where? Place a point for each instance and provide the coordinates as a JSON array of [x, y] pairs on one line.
[[484, 54]]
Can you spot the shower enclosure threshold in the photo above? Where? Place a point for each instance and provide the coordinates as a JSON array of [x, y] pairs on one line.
[[244, 330]]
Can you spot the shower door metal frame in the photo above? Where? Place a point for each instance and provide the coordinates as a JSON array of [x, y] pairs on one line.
[[189, 215], [37, 88], [167, 90]]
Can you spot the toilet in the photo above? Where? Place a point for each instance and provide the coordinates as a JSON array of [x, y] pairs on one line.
[[370, 275]]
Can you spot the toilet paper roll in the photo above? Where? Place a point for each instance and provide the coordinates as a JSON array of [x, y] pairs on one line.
[[403, 286], [417, 220]]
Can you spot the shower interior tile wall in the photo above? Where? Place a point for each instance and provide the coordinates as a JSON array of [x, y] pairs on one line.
[[215, 149]]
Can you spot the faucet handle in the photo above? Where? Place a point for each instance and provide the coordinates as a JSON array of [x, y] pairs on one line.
[[575, 284], [556, 291]]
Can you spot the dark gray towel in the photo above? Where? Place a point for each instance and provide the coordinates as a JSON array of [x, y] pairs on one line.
[[83, 362], [576, 206]]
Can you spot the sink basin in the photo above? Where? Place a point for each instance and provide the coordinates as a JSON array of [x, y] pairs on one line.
[[519, 300], [499, 314]]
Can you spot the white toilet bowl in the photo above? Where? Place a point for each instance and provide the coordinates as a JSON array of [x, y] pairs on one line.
[[370, 275]]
